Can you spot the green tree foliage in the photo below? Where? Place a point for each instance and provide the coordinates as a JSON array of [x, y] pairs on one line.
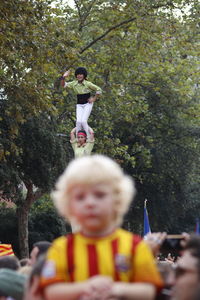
[[31, 33], [174, 151], [41, 158], [8, 232], [44, 224]]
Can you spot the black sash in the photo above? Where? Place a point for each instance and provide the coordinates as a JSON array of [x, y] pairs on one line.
[[83, 98]]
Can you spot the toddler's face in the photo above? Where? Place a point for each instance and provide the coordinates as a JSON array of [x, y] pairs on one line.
[[93, 207]]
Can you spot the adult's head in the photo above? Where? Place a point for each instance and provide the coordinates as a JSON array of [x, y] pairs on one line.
[[188, 270], [81, 74], [12, 284], [81, 137], [38, 249], [90, 171], [9, 262]]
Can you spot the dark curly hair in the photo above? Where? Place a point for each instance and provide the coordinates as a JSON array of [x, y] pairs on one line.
[[82, 71]]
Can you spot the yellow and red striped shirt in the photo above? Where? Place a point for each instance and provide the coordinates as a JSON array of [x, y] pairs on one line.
[[120, 255], [6, 249]]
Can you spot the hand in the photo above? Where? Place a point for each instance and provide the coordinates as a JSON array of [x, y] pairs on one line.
[[98, 288], [100, 282], [91, 131], [155, 240], [73, 130], [66, 74], [170, 259], [185, 239], [117, 291], [91, 99]]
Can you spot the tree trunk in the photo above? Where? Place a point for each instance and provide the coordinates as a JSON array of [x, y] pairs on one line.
[[22, 213]]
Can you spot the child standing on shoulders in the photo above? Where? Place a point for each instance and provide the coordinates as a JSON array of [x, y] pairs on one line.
[[100, 261], [85, 100], [82, 145]]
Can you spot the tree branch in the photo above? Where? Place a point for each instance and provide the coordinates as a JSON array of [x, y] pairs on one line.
[[79, 11], [106, 33], [86, 15], [83, 16], [170, 3], [38, 194]]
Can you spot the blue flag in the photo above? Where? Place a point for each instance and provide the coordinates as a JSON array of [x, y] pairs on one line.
[[147, 228], [197, 228]]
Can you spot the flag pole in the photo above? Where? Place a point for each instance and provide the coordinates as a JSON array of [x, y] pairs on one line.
[[145, 203], [197, 229], [147, 228]]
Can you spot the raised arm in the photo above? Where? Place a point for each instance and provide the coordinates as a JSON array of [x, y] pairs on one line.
[[73, 134], [66, 74], [91, 135]]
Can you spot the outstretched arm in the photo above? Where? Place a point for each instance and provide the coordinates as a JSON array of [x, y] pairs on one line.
[[66, 74]]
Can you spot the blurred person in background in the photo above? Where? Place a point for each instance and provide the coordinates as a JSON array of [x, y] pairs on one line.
[[187, 272], [9, 262], [38, 249]]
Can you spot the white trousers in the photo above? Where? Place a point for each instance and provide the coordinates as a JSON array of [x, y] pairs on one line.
[[83, 112]]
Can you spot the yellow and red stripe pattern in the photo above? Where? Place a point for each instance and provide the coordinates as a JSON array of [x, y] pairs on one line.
[[122, 255], [6, 249]]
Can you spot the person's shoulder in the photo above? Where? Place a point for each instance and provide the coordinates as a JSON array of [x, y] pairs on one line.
[[87, 82], [59, 241], [127, 234]]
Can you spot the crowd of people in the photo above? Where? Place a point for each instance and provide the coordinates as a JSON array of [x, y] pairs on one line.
[[99, 260]]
